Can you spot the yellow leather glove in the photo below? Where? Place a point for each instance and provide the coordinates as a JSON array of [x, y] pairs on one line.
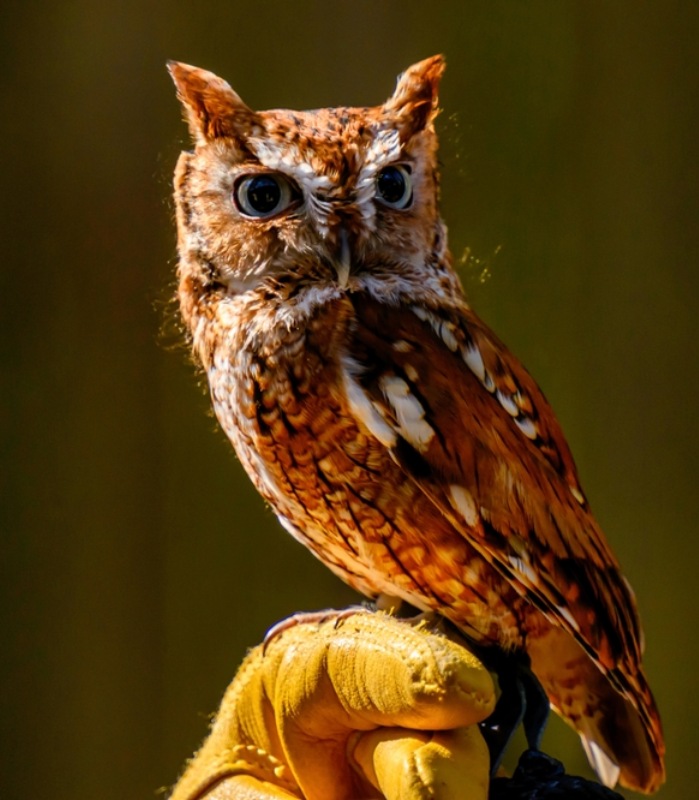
[[363, 706]]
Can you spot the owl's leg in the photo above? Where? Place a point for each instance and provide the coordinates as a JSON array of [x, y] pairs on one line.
[[389, 603], [536, 707], [500, 726], [522, 701]]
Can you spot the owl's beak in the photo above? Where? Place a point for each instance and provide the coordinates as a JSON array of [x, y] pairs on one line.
[[343, 262]]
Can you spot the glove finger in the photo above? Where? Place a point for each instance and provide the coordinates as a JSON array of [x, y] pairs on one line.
[[372, 671], [412, 765], [379, 671]]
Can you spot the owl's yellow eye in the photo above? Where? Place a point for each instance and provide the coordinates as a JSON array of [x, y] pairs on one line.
[[394, 186], [264, 194]]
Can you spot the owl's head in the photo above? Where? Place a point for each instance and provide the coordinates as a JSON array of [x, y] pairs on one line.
[[318, 196]]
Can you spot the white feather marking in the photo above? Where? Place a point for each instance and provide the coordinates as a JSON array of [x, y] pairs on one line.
[[446, 331], [462, 500], [288, 158], [409, 412], [471, 354], [606, 769], [474, 361], [363, 409], [523, 569], [384, 148], [527, 427], [577, 494], [507, 403], [402, 346], [422, 313], [568, 617], [442, 328]]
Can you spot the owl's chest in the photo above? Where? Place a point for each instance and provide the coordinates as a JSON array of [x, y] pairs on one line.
[[283, 404], [279, 399]]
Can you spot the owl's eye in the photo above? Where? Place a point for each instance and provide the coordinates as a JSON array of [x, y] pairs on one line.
[[264, 194], [394, 187]]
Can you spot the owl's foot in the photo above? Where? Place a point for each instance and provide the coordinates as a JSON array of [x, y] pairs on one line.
[[310, 618], [522, 701]]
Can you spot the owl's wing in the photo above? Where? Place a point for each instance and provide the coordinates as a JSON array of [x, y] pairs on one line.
[[470, 427], [473, 430]]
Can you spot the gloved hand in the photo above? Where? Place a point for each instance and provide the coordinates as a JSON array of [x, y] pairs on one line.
[[358, 706]]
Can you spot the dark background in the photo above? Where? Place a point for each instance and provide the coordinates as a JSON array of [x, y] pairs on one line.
[[137, 561]]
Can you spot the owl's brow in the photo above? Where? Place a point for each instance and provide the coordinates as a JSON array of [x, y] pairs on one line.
[[288, 158], [384, 149]]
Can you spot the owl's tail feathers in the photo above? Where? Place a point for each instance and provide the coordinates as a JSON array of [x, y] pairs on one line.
[[626, 733], [623, 739], [614, 714]]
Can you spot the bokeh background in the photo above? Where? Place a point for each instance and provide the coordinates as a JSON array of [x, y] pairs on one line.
[[138, 563]]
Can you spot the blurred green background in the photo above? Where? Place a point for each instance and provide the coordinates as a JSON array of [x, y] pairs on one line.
[[137, 561]]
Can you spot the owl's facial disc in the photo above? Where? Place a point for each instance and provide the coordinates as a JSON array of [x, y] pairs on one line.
[[331, 193]]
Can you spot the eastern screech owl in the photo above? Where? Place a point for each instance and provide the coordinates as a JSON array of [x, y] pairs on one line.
[[393, 434]]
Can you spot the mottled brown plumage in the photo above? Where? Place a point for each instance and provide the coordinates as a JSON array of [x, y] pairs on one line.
[[391, 431]]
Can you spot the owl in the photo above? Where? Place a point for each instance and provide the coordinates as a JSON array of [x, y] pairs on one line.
[[391, 431]]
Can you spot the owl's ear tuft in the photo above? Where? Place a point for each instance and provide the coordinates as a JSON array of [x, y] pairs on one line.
[[212, 109], [415, 100]]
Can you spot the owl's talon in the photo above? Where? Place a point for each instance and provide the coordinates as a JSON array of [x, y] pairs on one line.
[[309, 618], [536, 708]]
